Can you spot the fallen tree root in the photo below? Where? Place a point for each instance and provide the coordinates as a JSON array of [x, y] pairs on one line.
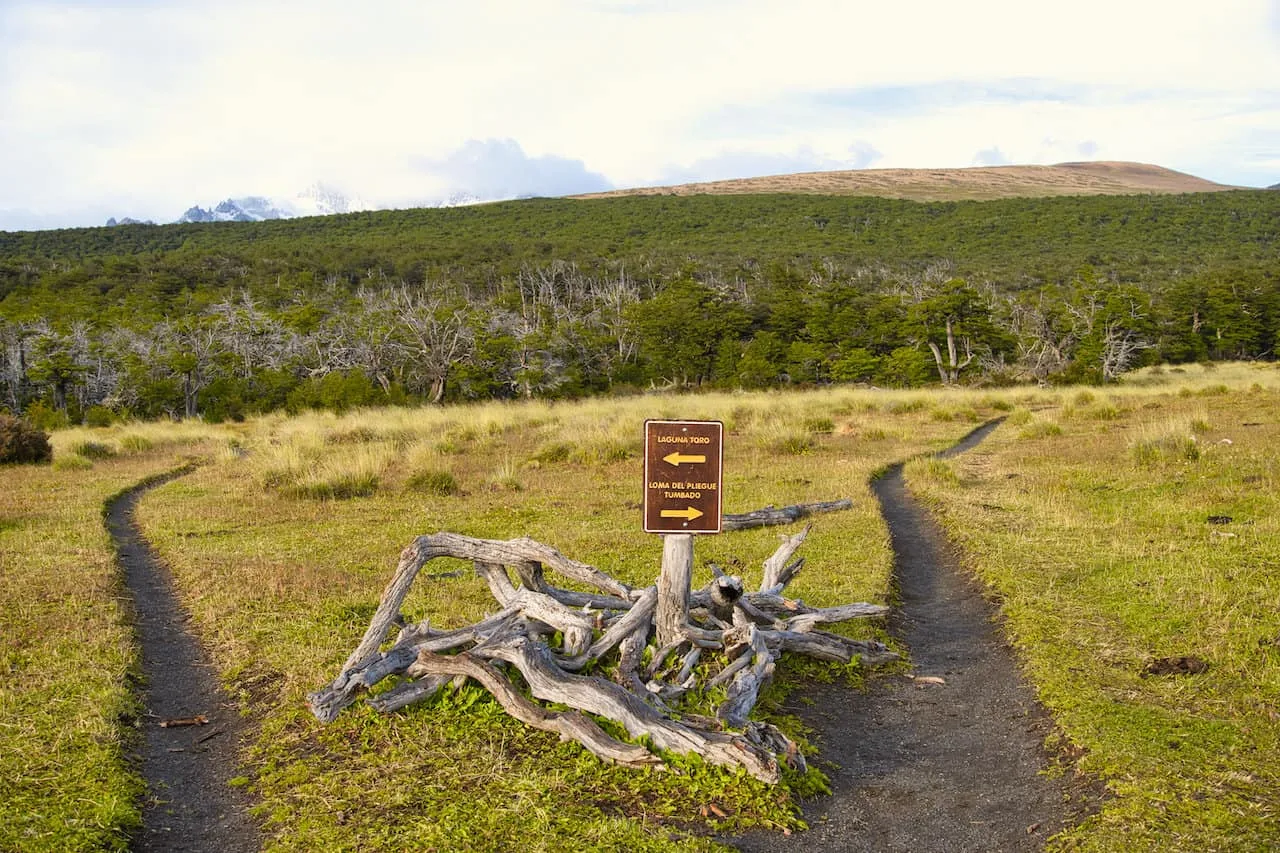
[[551, 639], [785, 515]]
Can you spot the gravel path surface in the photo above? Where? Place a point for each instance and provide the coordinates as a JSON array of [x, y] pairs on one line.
[[189, 804]]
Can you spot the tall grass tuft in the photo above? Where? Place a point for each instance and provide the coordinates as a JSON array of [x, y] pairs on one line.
[[93, 450], [553, 451], [1040, 429], [504, 477], [788, 441], [133, 442], [820, 424], [1173, 440], [933, 470], [342, 476], [434, 482]]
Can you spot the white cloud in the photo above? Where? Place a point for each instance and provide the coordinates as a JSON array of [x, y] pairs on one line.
[[153, 106], [992, 156], [749, 163], [499, 169]]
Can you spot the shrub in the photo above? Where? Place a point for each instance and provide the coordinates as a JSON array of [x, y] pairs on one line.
[[22, 442], [99, 416], [42, 417]]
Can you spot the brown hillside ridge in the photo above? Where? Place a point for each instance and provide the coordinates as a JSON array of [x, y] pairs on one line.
[[1103, 177]]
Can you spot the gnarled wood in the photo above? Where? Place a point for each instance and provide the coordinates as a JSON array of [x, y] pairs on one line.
[[569, 725], [553, 637], [604, 698], [777, 572]]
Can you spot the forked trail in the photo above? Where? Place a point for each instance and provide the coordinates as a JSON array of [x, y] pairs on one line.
[[189, 729], [949, 757]]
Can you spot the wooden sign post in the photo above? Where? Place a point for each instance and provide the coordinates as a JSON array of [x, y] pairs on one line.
[[683, 472]]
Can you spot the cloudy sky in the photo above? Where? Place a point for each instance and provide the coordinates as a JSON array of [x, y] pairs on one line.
[[143, 108]]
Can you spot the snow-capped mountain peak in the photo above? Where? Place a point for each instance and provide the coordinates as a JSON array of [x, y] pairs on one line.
[[319, 199], [322, 200], [254, 208], [316, 200]]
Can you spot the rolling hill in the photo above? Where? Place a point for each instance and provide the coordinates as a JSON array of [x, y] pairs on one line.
[[977, 183]]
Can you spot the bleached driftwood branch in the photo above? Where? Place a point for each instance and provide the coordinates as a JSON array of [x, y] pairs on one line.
[[547, 636]]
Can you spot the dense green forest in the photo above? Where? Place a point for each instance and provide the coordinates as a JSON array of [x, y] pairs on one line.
[[560, 297]]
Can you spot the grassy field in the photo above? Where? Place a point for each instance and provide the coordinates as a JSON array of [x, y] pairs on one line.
[[68, 663], [283, 579], [1124, 533], [1088, 511]]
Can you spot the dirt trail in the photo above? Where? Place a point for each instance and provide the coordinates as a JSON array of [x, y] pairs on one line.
[[189, 805], [923, 766]]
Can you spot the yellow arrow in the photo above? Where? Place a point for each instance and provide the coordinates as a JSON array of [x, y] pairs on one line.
[[691, 513], [677, 458]]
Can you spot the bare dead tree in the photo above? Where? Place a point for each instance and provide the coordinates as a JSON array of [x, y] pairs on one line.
[[13, 362], [1120, 349], [1046, 344], [435, 334], [255, 340], [949, 370]]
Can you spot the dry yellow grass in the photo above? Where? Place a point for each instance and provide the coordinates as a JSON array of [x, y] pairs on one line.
[[977, 183]]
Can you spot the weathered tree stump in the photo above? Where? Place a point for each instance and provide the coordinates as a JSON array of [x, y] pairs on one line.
[[543, 638]]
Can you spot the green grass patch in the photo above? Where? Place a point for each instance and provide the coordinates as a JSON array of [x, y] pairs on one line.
[[71, 462]]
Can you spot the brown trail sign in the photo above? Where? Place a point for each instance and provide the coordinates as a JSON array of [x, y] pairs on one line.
[[683, 472]]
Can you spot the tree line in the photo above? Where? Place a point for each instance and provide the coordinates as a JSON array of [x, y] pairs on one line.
[[223, 322]]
